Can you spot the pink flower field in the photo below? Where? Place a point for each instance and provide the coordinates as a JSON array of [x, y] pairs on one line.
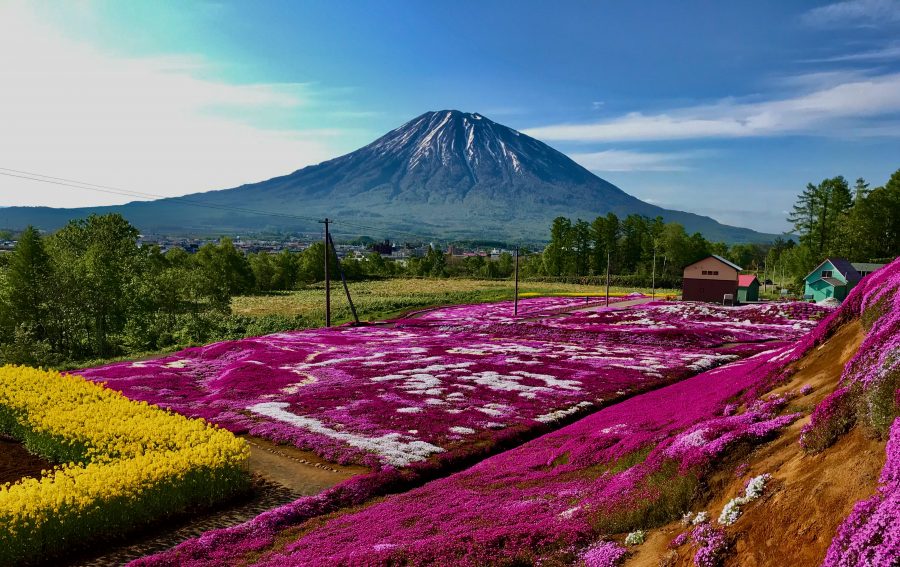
[[625, 467], [424, 390], [547, 499]]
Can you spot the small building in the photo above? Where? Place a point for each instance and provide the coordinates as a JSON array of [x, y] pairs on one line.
[[833, 278], [865, 268], [748, 288], [710, 279]]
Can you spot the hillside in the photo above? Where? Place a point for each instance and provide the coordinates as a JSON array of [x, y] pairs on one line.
[[446, 174]]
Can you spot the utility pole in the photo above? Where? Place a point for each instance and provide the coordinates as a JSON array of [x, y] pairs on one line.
[[344, 281], [327, 281], [516, 301], [607, 277], [653, 280]]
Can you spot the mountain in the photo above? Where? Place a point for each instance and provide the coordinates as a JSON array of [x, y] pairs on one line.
[[444, 174]]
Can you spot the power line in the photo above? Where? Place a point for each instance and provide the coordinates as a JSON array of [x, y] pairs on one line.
[[31, 176], [75, 184]]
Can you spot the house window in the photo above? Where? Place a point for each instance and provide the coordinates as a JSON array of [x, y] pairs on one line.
[[710, 272], [827, 273]]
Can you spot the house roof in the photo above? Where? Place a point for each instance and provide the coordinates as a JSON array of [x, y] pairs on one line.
[[833, 282], [845, 268], [866, 266], [724, 261], [744, 280]]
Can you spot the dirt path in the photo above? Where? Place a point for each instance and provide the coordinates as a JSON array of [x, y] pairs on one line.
[[16, 463], [303, 472], [281, 474], [615, 305], [809, 495]]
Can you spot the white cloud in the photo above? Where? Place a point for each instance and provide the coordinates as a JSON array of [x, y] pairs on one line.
[[626, 160], [854, 13], [890, 52], [147, 124], [830, 110]]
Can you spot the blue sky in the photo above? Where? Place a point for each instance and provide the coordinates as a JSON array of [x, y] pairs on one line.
[[722, 108]]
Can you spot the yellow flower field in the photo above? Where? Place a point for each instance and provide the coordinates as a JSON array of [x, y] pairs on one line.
[[125, 463]]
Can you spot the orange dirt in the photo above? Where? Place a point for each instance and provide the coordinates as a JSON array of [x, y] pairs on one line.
[[303, 472], [809, 495]]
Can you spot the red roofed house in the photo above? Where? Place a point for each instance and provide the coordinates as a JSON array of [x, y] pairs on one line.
[[710, 279], [748, 288]]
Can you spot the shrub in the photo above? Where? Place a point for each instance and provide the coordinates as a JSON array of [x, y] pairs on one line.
[[831, 419]]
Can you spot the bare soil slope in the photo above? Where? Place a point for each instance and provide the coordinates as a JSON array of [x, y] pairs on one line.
[[808, 496]]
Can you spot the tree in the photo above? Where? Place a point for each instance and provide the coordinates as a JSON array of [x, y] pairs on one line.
[[635, 231], [557, 254], [860, 190], [28, 275], [581, 248], [226, 270]]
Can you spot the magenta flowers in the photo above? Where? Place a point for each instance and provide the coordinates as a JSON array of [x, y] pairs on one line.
[[423, 390]]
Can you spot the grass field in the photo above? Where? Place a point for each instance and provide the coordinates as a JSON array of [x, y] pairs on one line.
[[388, 298]]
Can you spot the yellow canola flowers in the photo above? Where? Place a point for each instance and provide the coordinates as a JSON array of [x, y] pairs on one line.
[[128, 463]]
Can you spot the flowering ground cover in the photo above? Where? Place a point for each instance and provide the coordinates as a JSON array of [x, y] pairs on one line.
[[870, 396], [124, 463], [623, 467], [425, 391], [503, 311], [626, 467]]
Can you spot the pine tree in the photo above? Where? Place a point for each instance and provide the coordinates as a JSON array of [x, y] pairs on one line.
[[28, 276]]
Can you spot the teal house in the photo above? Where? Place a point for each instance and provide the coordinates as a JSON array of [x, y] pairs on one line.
[[833, 278]]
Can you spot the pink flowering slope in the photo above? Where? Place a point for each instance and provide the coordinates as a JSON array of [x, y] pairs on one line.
[[423, 392], [548, 498], [871, 534], [871, 383]]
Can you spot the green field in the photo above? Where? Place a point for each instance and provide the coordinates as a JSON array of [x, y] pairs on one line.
[[382, 299]]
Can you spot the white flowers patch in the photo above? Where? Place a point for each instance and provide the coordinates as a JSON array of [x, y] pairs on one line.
[[636, 537], [462, 430], [732, 511], [494, 410], [559, 414], [390, 447], [176, 364], [550, 381]]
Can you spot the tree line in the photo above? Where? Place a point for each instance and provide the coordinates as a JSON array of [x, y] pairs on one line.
[[635, 249], [859, 223], [90, 291]]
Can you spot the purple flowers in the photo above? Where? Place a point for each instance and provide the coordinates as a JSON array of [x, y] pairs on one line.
[[604, 554], [560, 490], [711, 544], [831, 418], [422, 390], [425, 390]]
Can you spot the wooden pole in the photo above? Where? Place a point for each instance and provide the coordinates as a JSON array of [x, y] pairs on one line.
[[344, 281], [327, 280], [653, 280], [516, 301], [607, 278]]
